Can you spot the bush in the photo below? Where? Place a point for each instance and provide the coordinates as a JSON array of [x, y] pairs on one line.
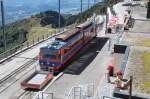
[[51, 17]]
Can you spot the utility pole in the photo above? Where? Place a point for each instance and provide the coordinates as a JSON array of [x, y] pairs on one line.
[[94, 2], [88, 4], [59, 16], [106, 4], [3, 24], [81, 11]]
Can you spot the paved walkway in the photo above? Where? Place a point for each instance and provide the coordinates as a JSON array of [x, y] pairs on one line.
[[104, 88]]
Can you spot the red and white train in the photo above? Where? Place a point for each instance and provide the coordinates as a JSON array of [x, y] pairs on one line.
[[55, 55]]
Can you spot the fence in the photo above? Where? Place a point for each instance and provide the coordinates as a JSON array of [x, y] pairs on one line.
[[81, 92], [41, 95], [20, 48], [44, 95], [125, 59]]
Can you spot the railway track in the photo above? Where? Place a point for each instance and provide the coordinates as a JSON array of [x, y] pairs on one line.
[[15, 73], [25, 95]]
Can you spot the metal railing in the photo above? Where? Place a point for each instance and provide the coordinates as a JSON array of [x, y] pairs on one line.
[[24, 45], [20, 48], [44, 95], [81, 92]]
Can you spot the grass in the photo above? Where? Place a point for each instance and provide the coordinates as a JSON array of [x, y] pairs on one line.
[[145, 86], [36, 32], [145, 43], [145, 58]]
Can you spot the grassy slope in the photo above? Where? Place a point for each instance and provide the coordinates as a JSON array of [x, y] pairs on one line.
[[145, 58], [146, 43], [39, 31], [31, 26], [146, 62]]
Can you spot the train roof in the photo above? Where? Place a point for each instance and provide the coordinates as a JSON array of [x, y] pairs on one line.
[[67, 34], [55, 45], [84, 25]]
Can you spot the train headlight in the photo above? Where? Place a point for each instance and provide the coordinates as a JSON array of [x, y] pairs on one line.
[[42, 63], [53, 64]]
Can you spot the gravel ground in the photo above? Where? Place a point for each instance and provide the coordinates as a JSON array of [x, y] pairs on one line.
[[139, 12], [135, 39], [135, 68], [142, 26]]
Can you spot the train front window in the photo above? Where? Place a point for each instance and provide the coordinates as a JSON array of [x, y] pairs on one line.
[[48, 54], [45, 55]]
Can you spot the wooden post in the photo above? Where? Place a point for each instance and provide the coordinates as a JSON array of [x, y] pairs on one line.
[[38, 39], [148, 9], [33, 41], [27, 44], [81, 12], [59, 15], [3, 24], [47, 35], [43, 37], [130, 90]]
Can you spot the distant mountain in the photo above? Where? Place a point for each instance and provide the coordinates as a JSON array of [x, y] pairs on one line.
[[19, 9]]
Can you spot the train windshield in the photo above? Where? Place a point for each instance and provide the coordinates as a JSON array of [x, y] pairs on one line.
[[46, 53]]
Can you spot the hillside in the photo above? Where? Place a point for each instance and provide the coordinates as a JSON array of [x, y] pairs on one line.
[[41, 24], [24, 30]]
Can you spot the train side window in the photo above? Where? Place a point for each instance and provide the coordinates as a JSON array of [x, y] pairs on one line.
[[66, 50], [53, 56], [46, 55], [59, 56]]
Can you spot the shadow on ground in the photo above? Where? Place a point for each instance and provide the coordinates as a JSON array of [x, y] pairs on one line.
[[85, 56]]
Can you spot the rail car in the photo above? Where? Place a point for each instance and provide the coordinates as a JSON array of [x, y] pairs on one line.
[[54, 56], [37, 80]]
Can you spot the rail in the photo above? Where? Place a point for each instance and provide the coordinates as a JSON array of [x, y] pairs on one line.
[[26, 95], [15, 72], [21, 95]]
